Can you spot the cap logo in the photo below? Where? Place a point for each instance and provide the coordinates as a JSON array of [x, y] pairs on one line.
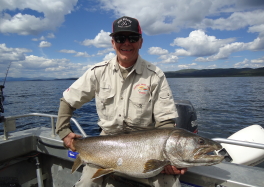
[[124, 22]]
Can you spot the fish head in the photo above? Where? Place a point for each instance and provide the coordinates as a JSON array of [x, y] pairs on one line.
[[185, 149]]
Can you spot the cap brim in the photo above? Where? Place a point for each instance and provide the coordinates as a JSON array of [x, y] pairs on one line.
[[112, 34]]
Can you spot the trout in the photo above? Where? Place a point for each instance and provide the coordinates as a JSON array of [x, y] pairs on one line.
[[144, 154]]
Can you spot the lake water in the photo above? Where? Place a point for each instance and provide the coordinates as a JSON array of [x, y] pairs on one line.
[[223, 105]]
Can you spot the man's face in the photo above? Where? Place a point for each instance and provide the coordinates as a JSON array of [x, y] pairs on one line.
[[127, 53]]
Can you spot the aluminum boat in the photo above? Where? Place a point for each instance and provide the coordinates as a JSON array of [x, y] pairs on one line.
[[36, 157]]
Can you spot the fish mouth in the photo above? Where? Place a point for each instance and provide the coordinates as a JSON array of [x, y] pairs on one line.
[[206, 154]]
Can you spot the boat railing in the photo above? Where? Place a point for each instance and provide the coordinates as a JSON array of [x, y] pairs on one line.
[[9, 123], [240, 143]]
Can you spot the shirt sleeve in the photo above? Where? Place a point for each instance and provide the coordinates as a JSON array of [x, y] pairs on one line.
[[165, 124], [164, 106], [64, 117], [82, 90]]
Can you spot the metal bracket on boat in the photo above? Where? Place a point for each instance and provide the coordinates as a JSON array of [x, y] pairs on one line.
[[9, 124]]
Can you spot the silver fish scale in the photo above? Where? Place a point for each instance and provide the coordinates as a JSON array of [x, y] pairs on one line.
[[124, 153], [129, 153]]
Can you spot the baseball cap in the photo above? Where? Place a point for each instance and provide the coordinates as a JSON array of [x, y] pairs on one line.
[[126, 24]]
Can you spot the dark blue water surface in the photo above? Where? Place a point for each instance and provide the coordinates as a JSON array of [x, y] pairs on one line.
[[223, 105]]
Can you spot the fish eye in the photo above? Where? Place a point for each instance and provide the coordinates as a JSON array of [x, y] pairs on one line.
[[201, 141]]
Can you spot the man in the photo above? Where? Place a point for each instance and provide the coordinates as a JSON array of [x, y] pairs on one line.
[[130, 94]]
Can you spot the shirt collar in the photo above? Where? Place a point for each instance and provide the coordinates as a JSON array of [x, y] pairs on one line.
[[138, 67]]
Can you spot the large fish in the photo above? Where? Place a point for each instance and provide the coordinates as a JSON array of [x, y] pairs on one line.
[[144, 154]]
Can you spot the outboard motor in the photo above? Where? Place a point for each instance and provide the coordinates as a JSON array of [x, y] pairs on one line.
[[187, 116]]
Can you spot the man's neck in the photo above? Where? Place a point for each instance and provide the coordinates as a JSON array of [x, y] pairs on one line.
[[126, 64]]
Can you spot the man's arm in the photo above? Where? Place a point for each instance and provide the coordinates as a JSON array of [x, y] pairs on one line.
[[63, 124], [166, 123]]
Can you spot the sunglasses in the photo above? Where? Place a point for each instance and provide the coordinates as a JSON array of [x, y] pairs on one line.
[[122, 38]]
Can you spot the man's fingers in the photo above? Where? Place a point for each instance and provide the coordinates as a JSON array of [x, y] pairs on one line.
[[183, 170], [172, 170], [78, 136], [175, 170], [69, 139]]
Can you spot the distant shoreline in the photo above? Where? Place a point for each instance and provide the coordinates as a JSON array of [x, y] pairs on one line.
[[186, 73], [231, 72]]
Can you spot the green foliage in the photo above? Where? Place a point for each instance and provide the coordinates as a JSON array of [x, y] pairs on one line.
[[231, 72]]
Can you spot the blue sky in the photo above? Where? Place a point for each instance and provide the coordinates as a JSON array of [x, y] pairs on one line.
[[63, 38]]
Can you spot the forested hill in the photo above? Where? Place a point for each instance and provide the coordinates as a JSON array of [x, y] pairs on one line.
[[231, 72]]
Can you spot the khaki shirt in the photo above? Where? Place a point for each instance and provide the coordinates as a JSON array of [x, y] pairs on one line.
[[141, 99]]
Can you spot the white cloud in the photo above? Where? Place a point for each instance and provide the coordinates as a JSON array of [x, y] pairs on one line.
[[258, 61], [67, 51], [224, 52], [209, 48], [254, 63], [101, 40], [107, 50], [257, 44], [236, 20], [82, 54], [109, 56], [11, 54], [169, 58], [25, 24], [34, 66], [77, 54], [168, 16], [257, 28], [38, 39], [186, 66], [50, 35], [158, 17], [182, 52], [44, 44], [157, 51], [243, 64], [199, 44]]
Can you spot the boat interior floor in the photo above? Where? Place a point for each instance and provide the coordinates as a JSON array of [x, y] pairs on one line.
[[35, 156]]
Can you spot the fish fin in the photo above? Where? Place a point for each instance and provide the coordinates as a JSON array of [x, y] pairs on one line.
[[153, 164], [77, 163], [102, 172]]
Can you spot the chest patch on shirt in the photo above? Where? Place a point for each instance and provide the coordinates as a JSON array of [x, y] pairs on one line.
[[142, 88]]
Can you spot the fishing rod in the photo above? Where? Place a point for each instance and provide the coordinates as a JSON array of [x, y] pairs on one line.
[[6, 74], [2, 98]]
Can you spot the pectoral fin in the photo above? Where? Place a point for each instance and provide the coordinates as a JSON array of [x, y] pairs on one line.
[[77, 163], [102, 172], [152, 165]]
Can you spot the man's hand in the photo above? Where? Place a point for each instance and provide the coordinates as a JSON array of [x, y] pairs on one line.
[[67, 140], [172, 170]]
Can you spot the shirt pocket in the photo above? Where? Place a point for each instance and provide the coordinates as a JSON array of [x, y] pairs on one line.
[[105, 104], [165, 96], [139, 108]]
